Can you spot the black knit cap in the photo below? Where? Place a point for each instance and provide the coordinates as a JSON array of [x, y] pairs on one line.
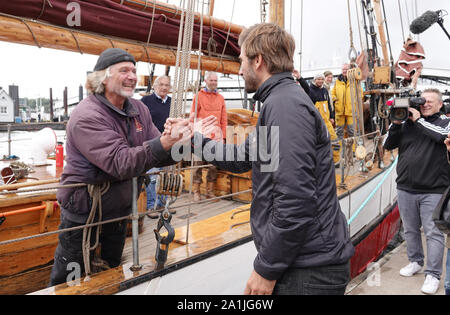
[[111, 56]]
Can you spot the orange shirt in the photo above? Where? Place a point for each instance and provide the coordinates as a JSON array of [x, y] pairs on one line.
[[211, 103]]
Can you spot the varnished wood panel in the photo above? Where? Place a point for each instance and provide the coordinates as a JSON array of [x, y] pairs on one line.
[[26, 282]]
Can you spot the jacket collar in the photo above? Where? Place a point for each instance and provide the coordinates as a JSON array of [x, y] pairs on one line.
[[206, 90], [128, 108], [164, 101], [264, 90], [433, 117], [342, 78]]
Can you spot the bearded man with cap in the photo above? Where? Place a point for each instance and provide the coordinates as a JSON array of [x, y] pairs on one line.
[[110, 139]]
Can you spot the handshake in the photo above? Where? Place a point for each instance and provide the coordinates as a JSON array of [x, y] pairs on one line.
[[181, 130]]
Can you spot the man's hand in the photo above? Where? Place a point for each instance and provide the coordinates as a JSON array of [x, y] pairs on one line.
[[257, 285], [169, 123], [208, 127], [180, 131], [296, 74], [205, 126], [415, 114], [447, 142]]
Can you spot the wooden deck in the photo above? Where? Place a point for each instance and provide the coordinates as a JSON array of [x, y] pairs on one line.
[[197, 213]]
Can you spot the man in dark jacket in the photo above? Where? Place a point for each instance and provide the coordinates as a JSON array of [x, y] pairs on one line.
[[110, 139], [159, 102], [423, 174], [298, 228], [447, 270], [159, 105]]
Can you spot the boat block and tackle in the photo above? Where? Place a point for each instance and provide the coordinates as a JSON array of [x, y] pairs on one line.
[[169, 184], [162, 246]]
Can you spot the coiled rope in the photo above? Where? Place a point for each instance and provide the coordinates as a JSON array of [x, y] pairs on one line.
[[95, 192]]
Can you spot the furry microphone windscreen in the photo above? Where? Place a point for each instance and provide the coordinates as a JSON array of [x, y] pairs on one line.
[[424, 21]]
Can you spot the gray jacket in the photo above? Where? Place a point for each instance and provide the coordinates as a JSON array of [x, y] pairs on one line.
[[105, 144], [296, 219]]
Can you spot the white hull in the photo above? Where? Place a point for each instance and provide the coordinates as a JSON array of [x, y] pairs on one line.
[[222, 274], [227, 272]]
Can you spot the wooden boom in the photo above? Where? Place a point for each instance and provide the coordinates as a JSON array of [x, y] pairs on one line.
[[34, 33]]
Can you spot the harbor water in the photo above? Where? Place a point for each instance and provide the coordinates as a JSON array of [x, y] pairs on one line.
[[22, 144]]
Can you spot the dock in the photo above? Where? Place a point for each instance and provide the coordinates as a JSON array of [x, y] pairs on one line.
[[383, 277], [33, 126]]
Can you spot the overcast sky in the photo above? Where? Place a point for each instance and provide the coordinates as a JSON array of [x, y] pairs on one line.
[[325, 43]]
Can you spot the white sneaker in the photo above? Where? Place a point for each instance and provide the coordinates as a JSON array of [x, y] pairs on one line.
[[410, 270], [431, 285]]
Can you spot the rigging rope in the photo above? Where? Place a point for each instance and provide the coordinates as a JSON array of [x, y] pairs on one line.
[[388, 36], [352, 47], [195, 104], [401, 20], [301, 37], [228, 36], [359, 25]]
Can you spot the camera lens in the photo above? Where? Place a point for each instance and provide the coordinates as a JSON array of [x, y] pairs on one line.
[[399, 114]]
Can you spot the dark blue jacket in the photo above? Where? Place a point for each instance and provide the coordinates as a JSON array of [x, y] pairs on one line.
[[296, 219], [160, 111]]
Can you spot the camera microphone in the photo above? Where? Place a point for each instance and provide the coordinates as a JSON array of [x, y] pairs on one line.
[[423, 22]]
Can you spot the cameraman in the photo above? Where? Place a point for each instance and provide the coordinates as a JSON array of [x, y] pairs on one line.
[[423, 174], [447, 270]]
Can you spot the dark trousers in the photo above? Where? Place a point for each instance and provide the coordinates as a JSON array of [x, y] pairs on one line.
[[323, 280], [68, 263]]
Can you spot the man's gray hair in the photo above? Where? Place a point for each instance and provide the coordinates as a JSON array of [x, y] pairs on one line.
[[210, 73], [94, 81], [158, 80], [435, 91]]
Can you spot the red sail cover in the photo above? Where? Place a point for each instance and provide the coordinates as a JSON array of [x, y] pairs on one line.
[[409, 65], [109, 18]]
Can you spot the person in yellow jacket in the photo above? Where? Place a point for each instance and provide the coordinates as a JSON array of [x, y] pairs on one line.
[[341, 96], [320, 97]]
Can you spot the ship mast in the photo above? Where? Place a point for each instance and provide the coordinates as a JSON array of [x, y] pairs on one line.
[[276, 12], [211, 7], [380, 20]]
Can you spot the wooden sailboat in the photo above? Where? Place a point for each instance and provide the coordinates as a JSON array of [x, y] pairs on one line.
[[220, 260]]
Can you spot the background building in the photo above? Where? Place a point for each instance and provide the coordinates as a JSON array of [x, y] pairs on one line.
[[6, 107]]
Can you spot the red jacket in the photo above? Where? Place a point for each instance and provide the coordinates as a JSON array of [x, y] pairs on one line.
[[211, 103]]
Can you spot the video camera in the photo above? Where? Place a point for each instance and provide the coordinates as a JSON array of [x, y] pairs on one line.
[[446, 106], [399, 110]]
